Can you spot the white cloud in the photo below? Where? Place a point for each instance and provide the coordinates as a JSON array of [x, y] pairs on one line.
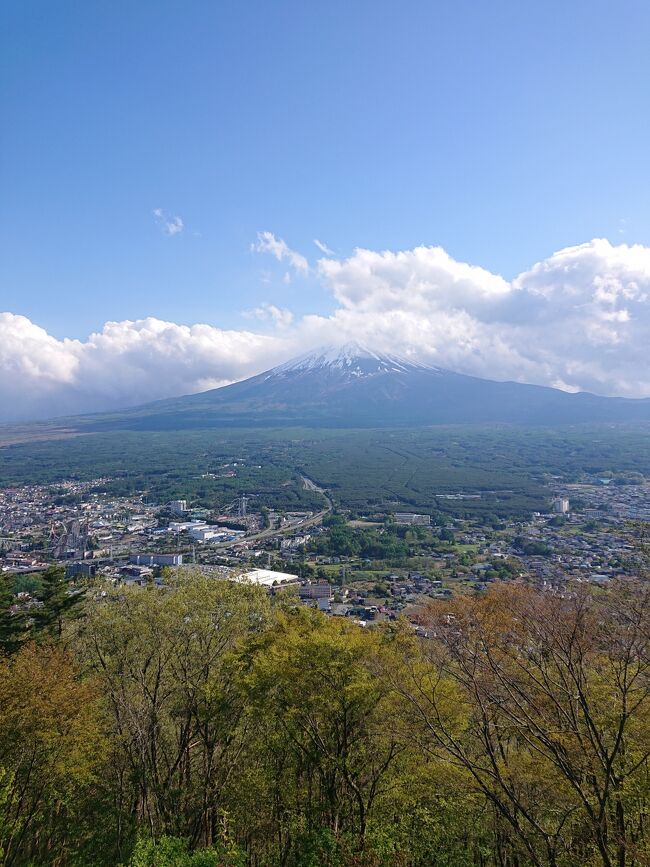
[[268, 243], [270, 313], [323, 247], [169, 225], [125, 363], [579, 319]]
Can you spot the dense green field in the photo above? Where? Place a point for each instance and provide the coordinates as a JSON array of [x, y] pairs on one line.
[[509, 468]]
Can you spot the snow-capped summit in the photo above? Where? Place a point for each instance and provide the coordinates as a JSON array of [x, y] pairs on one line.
[[350, 359]]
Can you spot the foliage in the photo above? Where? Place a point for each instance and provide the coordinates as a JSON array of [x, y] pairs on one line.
[[175, 852], [51, 750], [28, 583], [342, 540], [531, 547], [327, 713], [165, 661], [381, 470], [59, 601], [12, 623], [203, 724], [544, 701]]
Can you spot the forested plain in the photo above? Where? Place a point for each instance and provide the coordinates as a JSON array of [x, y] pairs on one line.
[[206, 723], [508, 467]]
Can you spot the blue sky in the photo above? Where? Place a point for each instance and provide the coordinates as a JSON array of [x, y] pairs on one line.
[[500, 131]]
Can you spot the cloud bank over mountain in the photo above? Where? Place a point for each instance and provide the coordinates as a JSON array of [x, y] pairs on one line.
[[124, 364], [578, 320]]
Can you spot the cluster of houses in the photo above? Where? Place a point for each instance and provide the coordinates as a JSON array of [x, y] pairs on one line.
[[585, 536]]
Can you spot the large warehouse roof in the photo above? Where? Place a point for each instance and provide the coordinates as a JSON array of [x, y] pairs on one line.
[[266, 577]]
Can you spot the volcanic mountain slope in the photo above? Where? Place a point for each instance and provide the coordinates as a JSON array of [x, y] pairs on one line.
[[352, 386]]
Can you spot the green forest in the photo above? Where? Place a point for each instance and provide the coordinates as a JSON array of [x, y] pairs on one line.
[[505, 469], [206, 724]]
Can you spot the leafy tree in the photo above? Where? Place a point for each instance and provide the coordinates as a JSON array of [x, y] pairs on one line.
[[531, 547], [165, 661], [51, 754], [175, 852], [544, 701], [331, 748], [12, 624], [203, 724], [59, 602]]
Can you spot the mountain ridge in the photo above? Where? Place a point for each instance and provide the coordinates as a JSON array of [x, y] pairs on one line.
[[354, 386]]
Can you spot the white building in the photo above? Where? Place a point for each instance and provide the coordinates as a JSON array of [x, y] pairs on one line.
[[178, 506], [207, 534], [185, 526], [561, 506], [214, 533], [267, 578]]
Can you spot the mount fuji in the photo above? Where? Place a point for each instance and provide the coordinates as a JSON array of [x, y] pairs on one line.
[[354, 386]]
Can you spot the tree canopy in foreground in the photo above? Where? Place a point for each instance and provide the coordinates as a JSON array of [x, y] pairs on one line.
[[205, 724]]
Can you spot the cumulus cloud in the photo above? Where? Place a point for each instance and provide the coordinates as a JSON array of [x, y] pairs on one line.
[[125, 363], [169, 225], [279, 249], [270, 313], [577, 320]]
